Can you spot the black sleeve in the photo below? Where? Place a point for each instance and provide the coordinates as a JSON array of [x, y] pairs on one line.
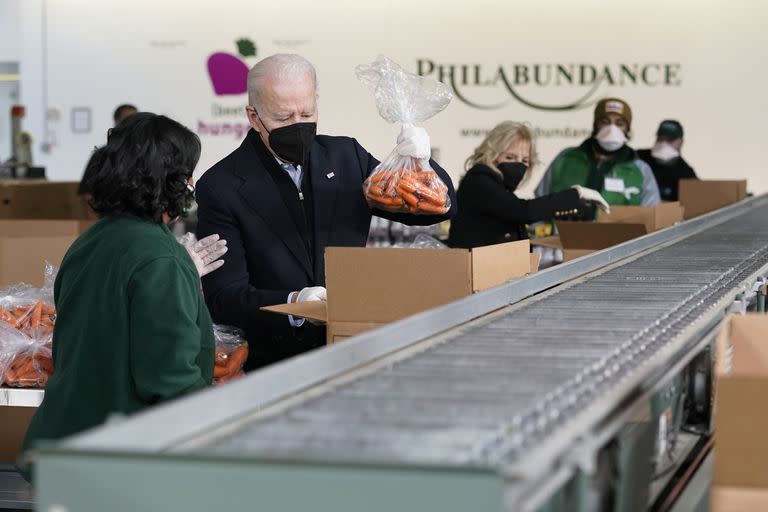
[[230, 297], [687, 171], [368, 164], [481, 193]]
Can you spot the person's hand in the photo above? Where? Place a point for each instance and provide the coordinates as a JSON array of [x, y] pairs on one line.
[[205, 253], [310, 293], [413, 141], [589, 195]]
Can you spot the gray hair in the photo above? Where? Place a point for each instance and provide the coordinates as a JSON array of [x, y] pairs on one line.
[[283, 66]]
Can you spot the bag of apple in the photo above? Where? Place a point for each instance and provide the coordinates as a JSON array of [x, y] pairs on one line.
[[404, 182]]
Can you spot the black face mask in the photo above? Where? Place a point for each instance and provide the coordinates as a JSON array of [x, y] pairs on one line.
[[292, 143], [513, 173]]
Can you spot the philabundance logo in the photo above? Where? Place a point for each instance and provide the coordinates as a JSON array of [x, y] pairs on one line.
[[580, 83]]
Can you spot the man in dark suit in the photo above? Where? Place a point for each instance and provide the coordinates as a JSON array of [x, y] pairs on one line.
[[279, 200]]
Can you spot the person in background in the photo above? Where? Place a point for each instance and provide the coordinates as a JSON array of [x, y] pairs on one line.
[[604, 162], [84, 189], [664, 158], [132, 328], [279, 200], [489, 211]]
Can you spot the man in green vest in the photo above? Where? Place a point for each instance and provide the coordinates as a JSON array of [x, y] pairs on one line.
[[604, 162]]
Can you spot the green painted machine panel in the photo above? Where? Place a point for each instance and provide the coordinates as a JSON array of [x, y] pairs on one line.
[[82, 483]]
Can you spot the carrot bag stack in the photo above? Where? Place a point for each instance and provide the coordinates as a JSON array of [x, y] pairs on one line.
[[27, 318], [231, 353], [405, 183]]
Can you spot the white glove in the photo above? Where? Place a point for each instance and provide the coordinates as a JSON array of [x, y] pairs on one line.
[[413, 141], [311, 293], [589, 195], [205, 253]]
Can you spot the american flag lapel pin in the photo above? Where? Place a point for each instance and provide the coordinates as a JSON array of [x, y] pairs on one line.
[[330, 175]]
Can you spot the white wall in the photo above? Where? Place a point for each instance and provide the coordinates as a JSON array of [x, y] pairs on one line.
[[153, 54]]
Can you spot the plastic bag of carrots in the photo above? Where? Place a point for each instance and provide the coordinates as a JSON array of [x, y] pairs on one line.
[[231, 353], [25, 342], [27, 320], [405, 183]]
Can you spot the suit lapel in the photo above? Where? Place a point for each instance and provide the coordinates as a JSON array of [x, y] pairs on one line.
[[325, 187], [261, 194]]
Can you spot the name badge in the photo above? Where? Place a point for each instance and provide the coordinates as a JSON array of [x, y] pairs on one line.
[[614, 185]]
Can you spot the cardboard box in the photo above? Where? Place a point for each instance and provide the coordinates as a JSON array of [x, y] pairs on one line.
[[15, 421], [578, 239], [25, 246], [33, 199], [702, 196], [653, 218], [370, 287], [740, 473]]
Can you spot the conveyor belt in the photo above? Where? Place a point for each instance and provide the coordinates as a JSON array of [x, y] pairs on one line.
[[496, 389]]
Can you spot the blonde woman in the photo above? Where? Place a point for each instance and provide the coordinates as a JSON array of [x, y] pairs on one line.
[[489, 211]]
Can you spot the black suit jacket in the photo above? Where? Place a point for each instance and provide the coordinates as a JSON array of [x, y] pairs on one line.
[[490, 212], [267, 258]]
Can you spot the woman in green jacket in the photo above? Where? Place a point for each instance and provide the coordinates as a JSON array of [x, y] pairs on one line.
[[132, 329]]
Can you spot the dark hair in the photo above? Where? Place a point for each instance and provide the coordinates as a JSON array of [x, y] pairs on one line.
[[144, 168], [123, 111]]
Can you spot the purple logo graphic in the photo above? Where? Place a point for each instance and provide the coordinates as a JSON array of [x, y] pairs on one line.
[[229, 74]]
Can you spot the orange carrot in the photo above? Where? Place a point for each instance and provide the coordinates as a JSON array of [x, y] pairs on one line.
[[376, 190], [37, 313], [428, 207], [409, 198], [44, 363], [237, 359]]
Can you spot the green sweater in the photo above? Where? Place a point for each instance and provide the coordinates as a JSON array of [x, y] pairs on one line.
[[132, 328]]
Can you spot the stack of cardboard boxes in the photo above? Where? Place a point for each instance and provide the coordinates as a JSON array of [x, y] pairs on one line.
[[38, 222]]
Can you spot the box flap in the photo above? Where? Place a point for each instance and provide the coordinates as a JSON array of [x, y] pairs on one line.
[[493, 265], [312, 310], [703, 196], [535, 261], [553, 242], [593, 235], [749, 339], [653, 217], [382, 285], [740, 426]]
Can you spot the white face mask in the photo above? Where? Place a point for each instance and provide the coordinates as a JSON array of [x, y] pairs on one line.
[[664, 151], [611, 137]]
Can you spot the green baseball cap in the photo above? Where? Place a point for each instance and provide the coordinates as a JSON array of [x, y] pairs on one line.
[[670, 129]]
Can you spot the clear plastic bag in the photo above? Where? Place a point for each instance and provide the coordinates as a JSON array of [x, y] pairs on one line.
[[425, 241], [403, 183], [231, 353], [27, 319]]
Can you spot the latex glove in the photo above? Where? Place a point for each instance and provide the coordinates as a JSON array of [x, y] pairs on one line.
[[310, 293], [414, 141], [205, 253], [589, 195]]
